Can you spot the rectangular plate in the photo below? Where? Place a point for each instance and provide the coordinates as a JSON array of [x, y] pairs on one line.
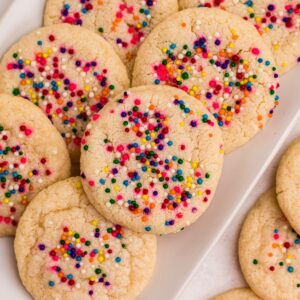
[[178, 255]]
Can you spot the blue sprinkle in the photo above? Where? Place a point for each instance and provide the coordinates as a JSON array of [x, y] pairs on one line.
[[148, 228], [290, 269], [51, 283]]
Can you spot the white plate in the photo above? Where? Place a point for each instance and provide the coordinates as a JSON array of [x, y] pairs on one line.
[[178, 255]]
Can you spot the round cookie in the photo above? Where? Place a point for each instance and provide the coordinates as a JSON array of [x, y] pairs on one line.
[[278, 21], [32, 156], [288, 183], [269, 251], [220, 60], [237, 294], [69, 72], [124, 24], [152, 159], [66, 250]]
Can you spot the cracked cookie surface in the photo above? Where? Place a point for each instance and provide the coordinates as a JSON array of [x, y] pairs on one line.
[[277, 21], [288, 184], [269, 251], [152, 159], [123, 23], [69, 72], [66, 250], [219, 59], [32, 157]]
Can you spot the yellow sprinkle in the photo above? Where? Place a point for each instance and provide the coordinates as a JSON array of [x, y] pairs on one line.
[[181, 124], [94, 223], [194, 165], [101, 258], [258, 19]]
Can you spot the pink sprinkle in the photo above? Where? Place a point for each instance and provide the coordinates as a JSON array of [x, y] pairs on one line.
[[162, 72], [120, 148], [23, 160], [185, 88], [212, 83], [96, 117], [255, 51], [216, 105], [125, 157], [91, 182], [72, 86], [177, 189], [28, 132]]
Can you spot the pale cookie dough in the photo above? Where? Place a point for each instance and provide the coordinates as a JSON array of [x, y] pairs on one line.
[[151, 160], [288, 184], [124, 24], [278, 22], [69, 72], [66, 251], [220, 60], [269, 251], [237, 294], [32, 156]]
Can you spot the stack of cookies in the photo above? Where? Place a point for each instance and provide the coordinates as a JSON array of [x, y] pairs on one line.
[[139, 103]]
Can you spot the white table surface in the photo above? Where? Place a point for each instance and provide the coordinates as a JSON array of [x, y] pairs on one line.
[[220, 270]]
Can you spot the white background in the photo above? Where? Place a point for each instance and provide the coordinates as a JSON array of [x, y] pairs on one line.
[[220, 270]]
